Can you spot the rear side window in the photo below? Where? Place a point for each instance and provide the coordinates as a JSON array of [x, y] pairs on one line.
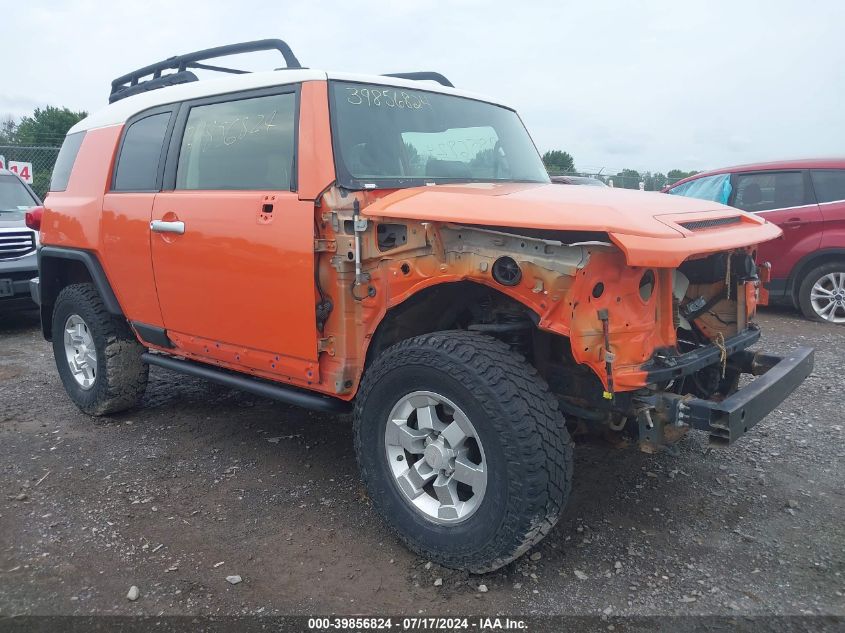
[[714, 188], [141, 153], [829, 184], [65, 160], [769, 190], [246, 144]]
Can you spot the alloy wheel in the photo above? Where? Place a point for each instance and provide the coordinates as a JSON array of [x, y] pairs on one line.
[[436, 457], [828, 297], [80, 351]]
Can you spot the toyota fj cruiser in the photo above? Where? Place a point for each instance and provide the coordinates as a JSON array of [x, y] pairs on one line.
[[392, 246]]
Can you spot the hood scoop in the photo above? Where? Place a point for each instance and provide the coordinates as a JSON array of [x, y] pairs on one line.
[[701, 225]]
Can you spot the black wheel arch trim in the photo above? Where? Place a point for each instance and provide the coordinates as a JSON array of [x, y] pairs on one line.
[[95, 269], [49, 289], [152, 334]]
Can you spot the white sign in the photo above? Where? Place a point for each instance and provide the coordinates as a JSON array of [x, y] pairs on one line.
[[24, 170]]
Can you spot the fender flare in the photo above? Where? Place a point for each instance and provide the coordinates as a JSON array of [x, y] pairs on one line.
[[50, 280]]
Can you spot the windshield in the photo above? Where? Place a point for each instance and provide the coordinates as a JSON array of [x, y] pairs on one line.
[[387, 137], [14, 197], [715, 188]]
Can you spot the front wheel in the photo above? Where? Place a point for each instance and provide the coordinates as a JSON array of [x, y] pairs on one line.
[[462, 449], [821, 295]]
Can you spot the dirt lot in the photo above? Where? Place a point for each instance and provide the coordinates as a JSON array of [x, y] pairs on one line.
[[203, 483]]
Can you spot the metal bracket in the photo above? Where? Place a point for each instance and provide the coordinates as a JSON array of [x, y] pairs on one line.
[[360, 225], [325, 246], [326, 345], [651, 438]]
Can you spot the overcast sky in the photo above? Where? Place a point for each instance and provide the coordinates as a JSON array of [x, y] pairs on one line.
[[645, 85]]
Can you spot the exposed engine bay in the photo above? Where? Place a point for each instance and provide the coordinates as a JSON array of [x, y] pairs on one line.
[[625, 349]]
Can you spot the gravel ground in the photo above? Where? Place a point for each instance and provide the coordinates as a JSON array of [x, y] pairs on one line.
[[203, 483]]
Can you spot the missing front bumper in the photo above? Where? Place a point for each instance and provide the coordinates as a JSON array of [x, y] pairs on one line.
[[727, 420], [664, 368]]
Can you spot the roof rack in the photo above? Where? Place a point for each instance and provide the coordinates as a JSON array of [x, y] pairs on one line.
[[423, 76], [131, 83]]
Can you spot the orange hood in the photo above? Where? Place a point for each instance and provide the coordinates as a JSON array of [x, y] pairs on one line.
[[644, 225]]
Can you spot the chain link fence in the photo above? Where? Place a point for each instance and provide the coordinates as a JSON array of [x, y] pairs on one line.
[[32, 163], [650, 182]]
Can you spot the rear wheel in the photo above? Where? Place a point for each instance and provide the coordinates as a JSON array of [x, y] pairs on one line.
[[98, 358], [821, 295], [462, 449]]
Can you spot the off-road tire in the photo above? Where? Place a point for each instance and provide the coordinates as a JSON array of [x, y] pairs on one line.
[[804, 303], [528, 449], [121, 377]]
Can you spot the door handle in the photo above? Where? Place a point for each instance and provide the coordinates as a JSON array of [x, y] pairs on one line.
[[794, 223], [161, 226]]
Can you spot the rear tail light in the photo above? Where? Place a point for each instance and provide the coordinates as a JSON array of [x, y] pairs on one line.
[[33, 218]]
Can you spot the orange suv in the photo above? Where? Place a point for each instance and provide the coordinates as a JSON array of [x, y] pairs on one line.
[[392, 246]]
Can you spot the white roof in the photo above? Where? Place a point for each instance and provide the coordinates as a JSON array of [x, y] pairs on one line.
[[117, 113]]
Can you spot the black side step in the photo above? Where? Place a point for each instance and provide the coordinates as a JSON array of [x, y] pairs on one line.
[[265, 388]]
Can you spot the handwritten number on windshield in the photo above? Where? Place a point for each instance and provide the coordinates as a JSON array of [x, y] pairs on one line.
[[386, 98]]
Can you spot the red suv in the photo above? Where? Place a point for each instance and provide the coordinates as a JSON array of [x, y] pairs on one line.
[[806, 198]]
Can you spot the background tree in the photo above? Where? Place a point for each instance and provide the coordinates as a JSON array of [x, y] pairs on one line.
[[627, 178], [8, 127], [678, 174], [47, 126], [654, 182], [27, 138], [558, 161]]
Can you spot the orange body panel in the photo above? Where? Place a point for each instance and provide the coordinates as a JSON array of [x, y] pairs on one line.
[[644, 225], [649, 251], [236, 277], [532, 205], [316, 158], [72, 217], [126, 258], [637, 327]]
